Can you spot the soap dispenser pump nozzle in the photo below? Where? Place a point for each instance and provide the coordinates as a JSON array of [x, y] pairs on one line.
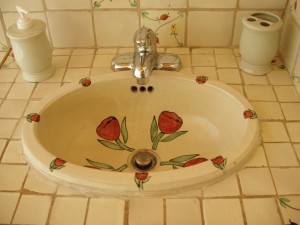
[[24, 21]]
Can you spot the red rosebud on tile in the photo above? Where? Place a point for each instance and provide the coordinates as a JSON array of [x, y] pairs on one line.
[[164, 17], [201, 79], [33, 117], [85, 82]]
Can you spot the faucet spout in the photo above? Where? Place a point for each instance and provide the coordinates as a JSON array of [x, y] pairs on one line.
[[145, 54]]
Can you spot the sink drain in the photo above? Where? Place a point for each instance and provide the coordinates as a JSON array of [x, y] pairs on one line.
[[143, 160]]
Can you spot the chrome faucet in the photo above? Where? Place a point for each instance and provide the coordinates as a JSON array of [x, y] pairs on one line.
[[145, 54], [145, 57]]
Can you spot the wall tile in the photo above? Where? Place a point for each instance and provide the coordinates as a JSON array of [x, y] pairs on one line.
[[266, 4], [124, 24], [169, 26], [12, 177], [285, 178], [213, 28], [74, 4], [163, 4], [32, 5], [212, 3], [65, 26], [290, 41], [99, 4]]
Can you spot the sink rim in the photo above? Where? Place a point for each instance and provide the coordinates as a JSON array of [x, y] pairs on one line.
[[162, 182]]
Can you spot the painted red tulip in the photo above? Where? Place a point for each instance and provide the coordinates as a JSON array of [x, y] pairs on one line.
[[195, 161], [201, 79], [109, 129], [141, 176], [219, 162], [57, 164], [249, 114], [169, 122], [33, 117], [85, 82], [164, 16]]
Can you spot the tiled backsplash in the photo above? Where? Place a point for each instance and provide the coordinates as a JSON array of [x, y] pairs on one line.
[[111, 23]]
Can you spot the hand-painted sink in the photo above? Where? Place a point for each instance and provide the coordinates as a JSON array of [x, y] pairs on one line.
[[198, 132]]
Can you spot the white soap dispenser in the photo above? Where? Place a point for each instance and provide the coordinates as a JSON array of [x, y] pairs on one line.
[[31, 47]]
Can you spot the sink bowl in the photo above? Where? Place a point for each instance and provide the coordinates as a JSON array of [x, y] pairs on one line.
[[108, 135]]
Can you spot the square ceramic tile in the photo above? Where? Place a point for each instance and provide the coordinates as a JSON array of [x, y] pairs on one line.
[[262, 211], [33, 5], [76, 74], [106, 211], [4, 88], [68, 210], [297, 148], [268, 110], [215, 33], [227, 187], [205, 51], [229, 76], [146, 211], [20, 91], [7, 127], [57, 76], [13, 153], [114, 4], [12, 108], [96, 71], [77, 4], [257, 4], [259, 92], [183, 211], [37, 183], [256, 181], [32, 209], [101, 51], [81, 61], [280, 154], [274, 132], [250, 79], [125, 23], [185, 60], [43, 89], [227, 61], [103, 60], [258, 159], [58, 51], [286, 94], [17, 134], [212, 4], [162, 4], [203, 60], [168, 26], [60, 60], [223, 51], [209, 72], [285, 178], [2, 145], [238, 88], [294, 131], [83, 51], [290, 208], [178, 51], [279, 78], [8, 75], [291, 111], [8, 203], [64, 27], [222, 212], [12, 177]]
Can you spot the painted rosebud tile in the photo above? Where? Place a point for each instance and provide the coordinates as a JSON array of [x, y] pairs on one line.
[[74, 4], [212, 3], [290, 207], [255, 4], [167, 25]]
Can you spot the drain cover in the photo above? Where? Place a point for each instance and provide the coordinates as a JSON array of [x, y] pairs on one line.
[[143, 160]]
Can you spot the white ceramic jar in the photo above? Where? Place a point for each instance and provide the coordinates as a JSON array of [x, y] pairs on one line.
[[259, 42]]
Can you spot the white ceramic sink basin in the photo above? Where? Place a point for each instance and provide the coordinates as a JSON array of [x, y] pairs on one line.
[[87, 135]]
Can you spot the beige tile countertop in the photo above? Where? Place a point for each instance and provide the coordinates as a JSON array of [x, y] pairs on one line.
[[266, 192]]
